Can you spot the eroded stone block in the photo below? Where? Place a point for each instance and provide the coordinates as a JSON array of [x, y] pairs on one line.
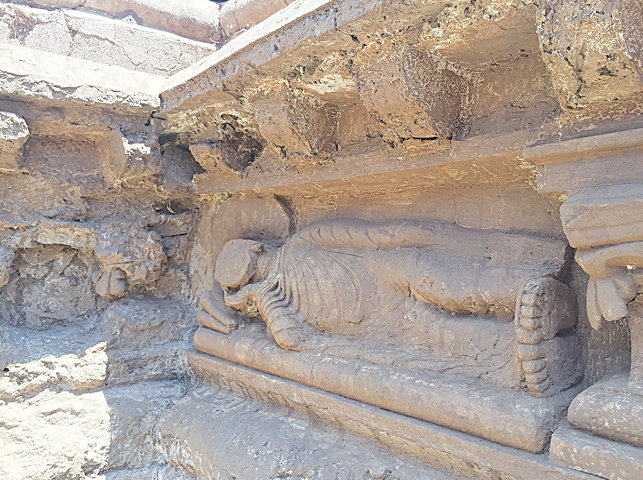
[[13, 135], [612, 409], [596, 455]]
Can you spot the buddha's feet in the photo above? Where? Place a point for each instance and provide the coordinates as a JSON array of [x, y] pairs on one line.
[[545, 308]]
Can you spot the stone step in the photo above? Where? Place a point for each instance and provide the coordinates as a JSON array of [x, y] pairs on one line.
[[220, 435], [510, 417], [431, 444], [596, 455]]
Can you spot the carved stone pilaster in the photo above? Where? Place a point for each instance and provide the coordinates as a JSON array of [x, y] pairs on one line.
[[601, 180], [602, 217]]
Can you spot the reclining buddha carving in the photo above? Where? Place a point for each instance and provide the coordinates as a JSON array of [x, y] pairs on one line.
[[428, 319], [360, 279]]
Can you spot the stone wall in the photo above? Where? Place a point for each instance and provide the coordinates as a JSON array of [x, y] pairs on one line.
[[139, 138]]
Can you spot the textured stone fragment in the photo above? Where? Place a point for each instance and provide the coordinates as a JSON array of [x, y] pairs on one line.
[[6, 259], [55, 435], [584, 48], [68, 371], [13, 134], [298, 123], [611, 409], [145, 339]]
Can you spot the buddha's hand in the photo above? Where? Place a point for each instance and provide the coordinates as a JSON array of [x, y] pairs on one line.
[[212, 312]]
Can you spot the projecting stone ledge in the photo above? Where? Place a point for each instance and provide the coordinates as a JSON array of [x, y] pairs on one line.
[[41, 75], [216, 434], [596, 455], [429, 443]]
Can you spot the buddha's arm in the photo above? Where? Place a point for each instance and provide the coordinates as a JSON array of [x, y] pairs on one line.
[[365, 235], [213, 314]]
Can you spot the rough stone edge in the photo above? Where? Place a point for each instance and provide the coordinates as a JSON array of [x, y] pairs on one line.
[[594, 146], [595, 455], [438, 446], [368, 168], [27, 72], [280, 33], [194, 26]]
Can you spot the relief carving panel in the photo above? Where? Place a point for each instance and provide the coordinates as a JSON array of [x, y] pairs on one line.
[[405, 300]]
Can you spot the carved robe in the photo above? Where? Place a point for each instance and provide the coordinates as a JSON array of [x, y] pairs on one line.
[[336, 274]]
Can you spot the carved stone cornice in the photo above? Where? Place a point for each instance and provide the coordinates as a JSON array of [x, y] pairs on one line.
[[569, 166]]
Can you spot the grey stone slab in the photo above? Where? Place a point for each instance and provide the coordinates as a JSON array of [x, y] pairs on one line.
[[429, 443], [611, 409], [218, 435], [198, 19], [33, 73], [559, 163], [99, 38], [596, 455]]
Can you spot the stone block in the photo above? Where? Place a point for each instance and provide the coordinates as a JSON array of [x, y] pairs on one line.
[[216, 434], [604, 216], [58, 77], [444, 448], [504, 416], [13, 135], [146, 337], [88, 36], [612, 409], [595, 455]]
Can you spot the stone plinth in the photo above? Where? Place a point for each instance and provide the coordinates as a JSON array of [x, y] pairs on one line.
[[595, 455], [612, 409], [433, 444], [508, 417]]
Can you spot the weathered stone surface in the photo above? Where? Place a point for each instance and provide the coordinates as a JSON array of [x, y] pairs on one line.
[[146, 338], [55, 434], [585, 50], [239, 15], [198, 19], [631, 15], [595, 455], [80, 434], [454, 451], [218, 435], [311, 117], [603, 216], [34, 73], [161, 472], [97, 38], [13, 134], [611, 409], [506, 417]]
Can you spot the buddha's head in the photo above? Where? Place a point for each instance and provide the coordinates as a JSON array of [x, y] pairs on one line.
[[242, 262]]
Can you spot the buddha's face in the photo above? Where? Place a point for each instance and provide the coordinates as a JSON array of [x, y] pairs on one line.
[[237, 263]]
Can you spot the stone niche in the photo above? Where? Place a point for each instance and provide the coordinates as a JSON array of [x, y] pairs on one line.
[[446, 303]]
